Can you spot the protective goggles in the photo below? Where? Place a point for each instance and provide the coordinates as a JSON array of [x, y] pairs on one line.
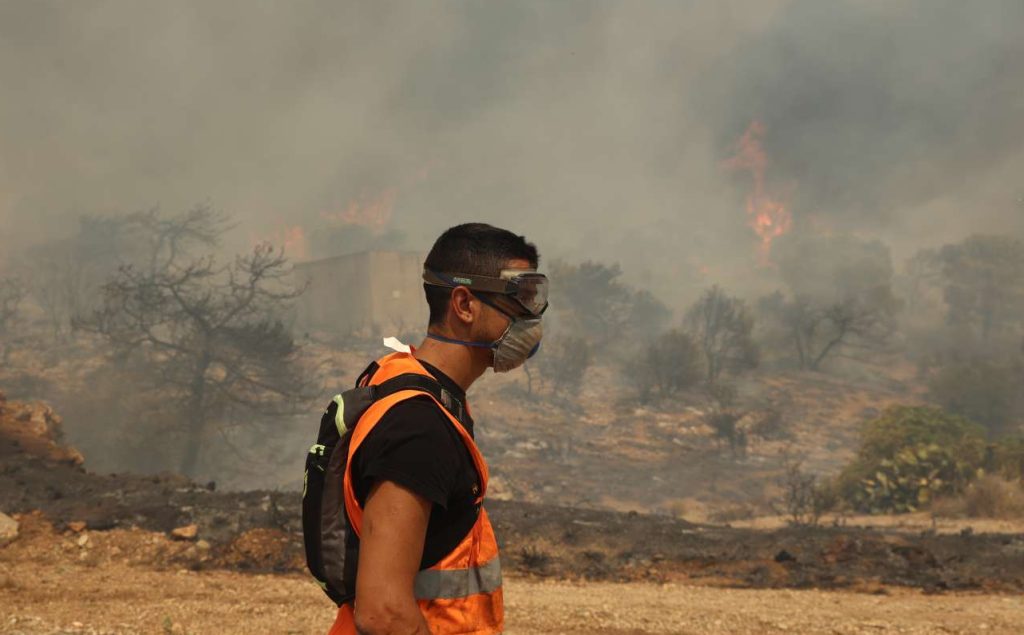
[[527, 288]]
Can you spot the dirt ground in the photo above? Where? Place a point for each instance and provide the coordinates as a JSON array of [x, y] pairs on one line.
[[97, 554], [259, 532], [118, 581], [118, 598]]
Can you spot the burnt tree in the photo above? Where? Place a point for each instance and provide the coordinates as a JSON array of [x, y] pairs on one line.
[[212, 334], [722, 327]]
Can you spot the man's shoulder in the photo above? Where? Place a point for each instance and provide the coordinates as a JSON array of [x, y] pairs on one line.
[[415, 418]]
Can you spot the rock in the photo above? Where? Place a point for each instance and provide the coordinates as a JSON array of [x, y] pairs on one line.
[[37, 430], [202, 545], [83, 540], [77, 526], [188, 532], [784, 556], [8, 529]]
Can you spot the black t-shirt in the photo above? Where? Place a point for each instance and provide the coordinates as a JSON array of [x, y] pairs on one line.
[[416, 446]]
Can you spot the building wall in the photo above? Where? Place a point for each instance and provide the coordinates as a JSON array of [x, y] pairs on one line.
[[369, 293]]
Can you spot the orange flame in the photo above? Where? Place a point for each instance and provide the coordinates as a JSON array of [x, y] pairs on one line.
[[291, 237], [295, 243], [767, 216], [374, 214]]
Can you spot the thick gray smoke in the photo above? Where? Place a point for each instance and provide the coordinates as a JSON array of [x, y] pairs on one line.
[[599, 129], [897, 118]]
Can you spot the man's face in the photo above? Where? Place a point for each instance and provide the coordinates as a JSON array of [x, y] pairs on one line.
[[492, 323]]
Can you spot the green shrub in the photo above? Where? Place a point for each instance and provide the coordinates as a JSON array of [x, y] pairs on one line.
[[907, 456], [1008, 458], [911, 480], [670, 363]]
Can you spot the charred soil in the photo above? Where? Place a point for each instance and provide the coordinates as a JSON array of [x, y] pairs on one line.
[[260, 531]]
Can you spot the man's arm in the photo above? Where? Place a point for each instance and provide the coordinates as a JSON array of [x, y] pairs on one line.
[[390, 549]]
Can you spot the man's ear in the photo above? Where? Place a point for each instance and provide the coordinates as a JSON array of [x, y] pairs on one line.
[[461, 306]]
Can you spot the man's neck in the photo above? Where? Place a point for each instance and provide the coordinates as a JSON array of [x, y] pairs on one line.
[[460, 363]]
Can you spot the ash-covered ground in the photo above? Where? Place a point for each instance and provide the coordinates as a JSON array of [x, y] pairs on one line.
[[260, 531]]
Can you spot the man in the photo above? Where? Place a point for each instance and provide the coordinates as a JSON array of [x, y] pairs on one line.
[[427, 557]]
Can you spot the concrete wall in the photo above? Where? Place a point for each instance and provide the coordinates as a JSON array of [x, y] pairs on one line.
[[368, 293]]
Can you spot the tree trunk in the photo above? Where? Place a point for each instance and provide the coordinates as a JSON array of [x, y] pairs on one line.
[[712, 359], [196, 413], [802, 356], [816, 364]]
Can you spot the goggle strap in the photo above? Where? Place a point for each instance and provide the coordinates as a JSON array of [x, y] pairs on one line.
[[477, 283], [496, 307]]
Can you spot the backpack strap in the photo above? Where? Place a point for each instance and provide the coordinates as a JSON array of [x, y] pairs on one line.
[[367, 375], [422, 383]]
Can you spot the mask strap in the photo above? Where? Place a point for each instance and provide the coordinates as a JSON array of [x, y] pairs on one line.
[[448, 340]]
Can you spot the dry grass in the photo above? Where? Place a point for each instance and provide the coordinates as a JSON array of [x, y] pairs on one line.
[[988, 497], [733, 512]]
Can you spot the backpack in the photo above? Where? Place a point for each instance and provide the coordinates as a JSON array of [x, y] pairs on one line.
[[332, 550]]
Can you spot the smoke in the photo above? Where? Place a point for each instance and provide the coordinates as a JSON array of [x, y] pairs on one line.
[[598, 129], [897, 118]]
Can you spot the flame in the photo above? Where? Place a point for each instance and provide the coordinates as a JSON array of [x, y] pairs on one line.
[[296, 245], [372, 213], [768, 216], [291, 237]]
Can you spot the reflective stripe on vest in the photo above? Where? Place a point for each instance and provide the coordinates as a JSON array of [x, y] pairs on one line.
[[439, 584]]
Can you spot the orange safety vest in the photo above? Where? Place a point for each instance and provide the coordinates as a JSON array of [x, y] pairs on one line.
[[462, 592]]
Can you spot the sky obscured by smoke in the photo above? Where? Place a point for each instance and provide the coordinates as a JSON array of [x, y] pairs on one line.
[[598, 129]]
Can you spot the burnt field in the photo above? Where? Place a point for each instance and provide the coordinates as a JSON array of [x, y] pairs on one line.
[[260, 531]]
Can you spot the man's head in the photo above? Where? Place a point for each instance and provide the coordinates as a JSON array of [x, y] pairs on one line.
[[474, 248], [472, 312]]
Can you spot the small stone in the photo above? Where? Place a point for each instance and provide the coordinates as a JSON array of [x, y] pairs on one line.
[[77, 526], [202, 545], [8, 529], [83, 540], [188, 532]]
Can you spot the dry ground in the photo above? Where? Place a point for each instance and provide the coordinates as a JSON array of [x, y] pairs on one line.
[[67, 598], [118, 582]]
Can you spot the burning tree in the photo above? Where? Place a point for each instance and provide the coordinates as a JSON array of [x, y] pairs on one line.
[[722, 327], [213, 334]]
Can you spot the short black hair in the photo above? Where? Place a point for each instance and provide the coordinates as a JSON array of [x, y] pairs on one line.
[[472, 248]]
